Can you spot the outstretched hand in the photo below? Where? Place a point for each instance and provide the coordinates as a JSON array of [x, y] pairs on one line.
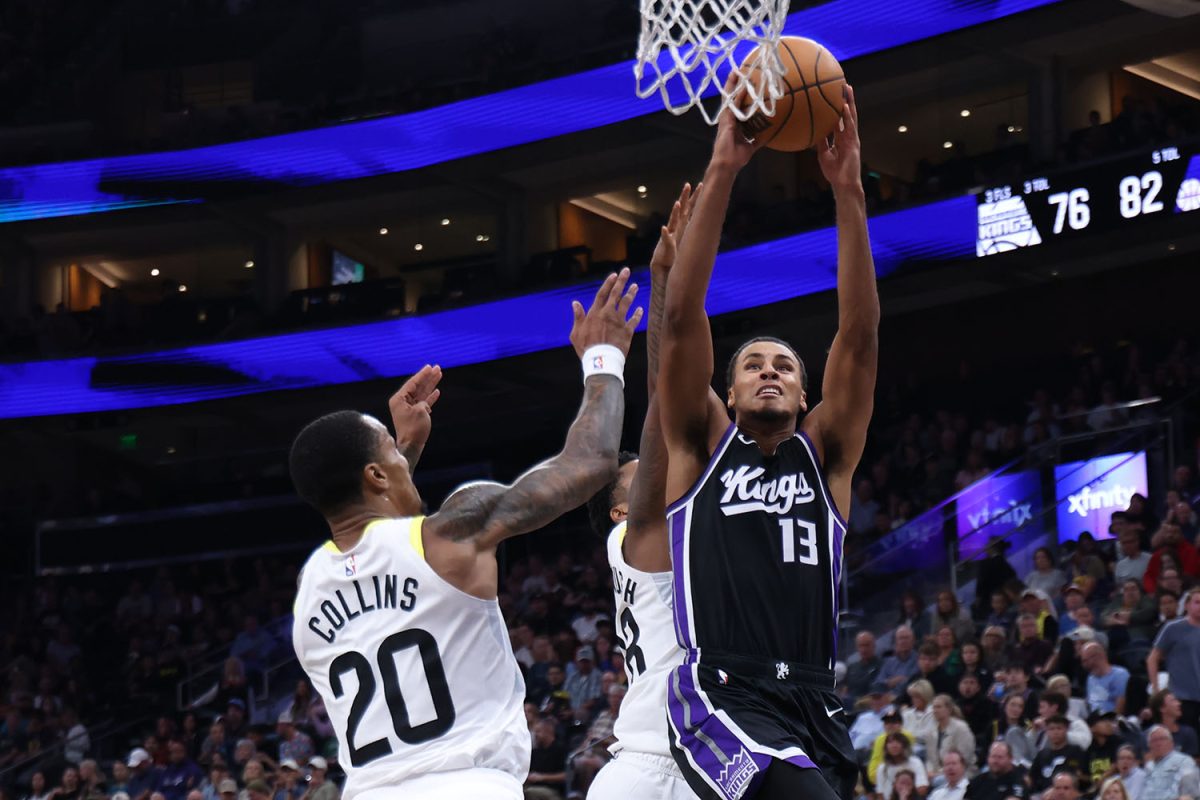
[[671, 235], [840, 155], [411, 408], [733, 147], [607, 321]]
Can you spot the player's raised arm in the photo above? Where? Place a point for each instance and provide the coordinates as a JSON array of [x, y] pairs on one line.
[[685, 373], [645, 543], [489, 514], [839, 422], [411, 407]]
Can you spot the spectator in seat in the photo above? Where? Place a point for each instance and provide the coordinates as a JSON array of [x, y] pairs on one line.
[[1166, 710], [918, 715], [899, 668], [1045, 576], [972, 662], [228, 789], [584, 684], [1130, 616], [1134, 560], [869, 722], [293, 744], [69, 787], [319, 786], [949, 656], [892, 723], [929, 670], [92, 779], [1031, 651], [181, 774], [1003, 778], [1170, 775], [120, 777], [954, 771], [258, 790], [1013, 728], [897, 757], [252, 646], [1051, 704], [1102, 752], [996, 651], [1065, 786], [144, 776], [1002, 614], [547, 764], [1129, 771], [76, 741], [1085, 562], [863, 507], [862, 673], [1039, 604], [948, 612], [38, 790], [288, 785], [235, 719], [215, 743], [1057, 754], [1106, 682], [1169, 542], [589, 762], [912, 615], [951, 733], [978, 711]]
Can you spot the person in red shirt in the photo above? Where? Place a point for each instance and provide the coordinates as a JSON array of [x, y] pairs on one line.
[[1169, 540]]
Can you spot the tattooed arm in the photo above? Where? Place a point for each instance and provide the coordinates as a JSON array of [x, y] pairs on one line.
[[486, 514]]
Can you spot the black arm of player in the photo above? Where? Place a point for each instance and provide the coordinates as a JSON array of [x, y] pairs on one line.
[[488, 514], [848, 389], [685, 374]]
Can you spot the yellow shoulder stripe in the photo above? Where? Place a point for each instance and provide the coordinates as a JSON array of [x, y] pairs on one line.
[[622, 528], [331, 547], [414, 535]]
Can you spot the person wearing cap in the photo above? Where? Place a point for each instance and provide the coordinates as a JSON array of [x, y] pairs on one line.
[[583, 684], [258, 790], [235, 719], [868, 722], [227, 789], [319, 788], [893, 722], [293, 744], [995, 647], [1106, 682], [143, 776], [288, 785], [1038, 603], [1074, 598]]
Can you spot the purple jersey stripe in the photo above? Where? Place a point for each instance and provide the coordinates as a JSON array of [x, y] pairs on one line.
[[699, 484], [678, 527]]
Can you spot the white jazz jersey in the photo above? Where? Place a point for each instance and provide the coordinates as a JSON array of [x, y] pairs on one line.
[[646, 628], [418, 677]]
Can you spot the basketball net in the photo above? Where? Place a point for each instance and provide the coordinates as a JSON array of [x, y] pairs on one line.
[[687, 48]]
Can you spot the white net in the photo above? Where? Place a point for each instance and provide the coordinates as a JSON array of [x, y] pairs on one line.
[[687, 48]]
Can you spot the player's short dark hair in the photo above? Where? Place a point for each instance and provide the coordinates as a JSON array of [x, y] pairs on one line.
[[601, 502], [738, 353], [1056, 699], [328, 457]]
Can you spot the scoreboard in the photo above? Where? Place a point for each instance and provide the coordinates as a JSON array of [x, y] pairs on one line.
[[1114, 195]]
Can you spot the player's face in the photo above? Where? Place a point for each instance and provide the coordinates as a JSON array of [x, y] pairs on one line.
[[399, 489], [767, 383], [620, 509]]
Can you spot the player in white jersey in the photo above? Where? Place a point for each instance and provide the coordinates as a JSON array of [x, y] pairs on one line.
[[639, 554], [396, 618]]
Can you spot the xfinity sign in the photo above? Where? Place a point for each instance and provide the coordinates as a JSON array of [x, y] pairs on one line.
[[1088, 492], [1008, 506]]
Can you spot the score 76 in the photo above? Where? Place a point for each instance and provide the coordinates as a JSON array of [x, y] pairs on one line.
[[1071, 207]]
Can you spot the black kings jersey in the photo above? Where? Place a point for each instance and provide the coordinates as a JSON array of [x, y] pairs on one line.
[[757, 553]]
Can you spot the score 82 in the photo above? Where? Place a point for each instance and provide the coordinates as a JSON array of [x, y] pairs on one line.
[[1133, 202]]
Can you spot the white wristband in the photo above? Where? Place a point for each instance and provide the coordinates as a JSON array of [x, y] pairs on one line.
[[603, 359]]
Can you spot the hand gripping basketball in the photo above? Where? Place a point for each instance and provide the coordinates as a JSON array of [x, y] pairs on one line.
[[840, 155], [608, 320]]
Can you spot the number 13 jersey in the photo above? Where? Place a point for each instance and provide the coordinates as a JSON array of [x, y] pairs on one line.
[[756, 547], [418, 677], [644, 626]]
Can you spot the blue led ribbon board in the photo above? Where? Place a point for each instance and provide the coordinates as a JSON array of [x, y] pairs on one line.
[[753, 276], [586, 100]]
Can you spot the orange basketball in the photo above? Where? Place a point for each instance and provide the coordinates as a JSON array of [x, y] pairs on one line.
[[812, 98]]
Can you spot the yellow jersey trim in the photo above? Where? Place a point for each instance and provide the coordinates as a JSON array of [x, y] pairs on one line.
[[414, 536], [622, 528]]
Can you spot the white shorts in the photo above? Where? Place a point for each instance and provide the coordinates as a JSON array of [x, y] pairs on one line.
[[475, 784], [640, 775]]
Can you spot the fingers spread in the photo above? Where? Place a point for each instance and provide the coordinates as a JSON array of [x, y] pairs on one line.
[[632, 324], [618, 287], [602, 294], [627, 300]]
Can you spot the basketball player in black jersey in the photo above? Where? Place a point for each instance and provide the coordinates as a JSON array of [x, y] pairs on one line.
[[756, 521]]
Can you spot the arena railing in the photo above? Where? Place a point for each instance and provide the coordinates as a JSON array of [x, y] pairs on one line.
[[1016, 503]]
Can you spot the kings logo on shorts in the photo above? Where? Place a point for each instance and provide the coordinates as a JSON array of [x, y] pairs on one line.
[[737, 774]]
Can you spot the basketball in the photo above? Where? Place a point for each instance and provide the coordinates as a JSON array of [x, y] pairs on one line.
[[812, 100]]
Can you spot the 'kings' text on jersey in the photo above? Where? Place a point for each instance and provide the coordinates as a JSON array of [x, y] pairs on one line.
[[757, 548]]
